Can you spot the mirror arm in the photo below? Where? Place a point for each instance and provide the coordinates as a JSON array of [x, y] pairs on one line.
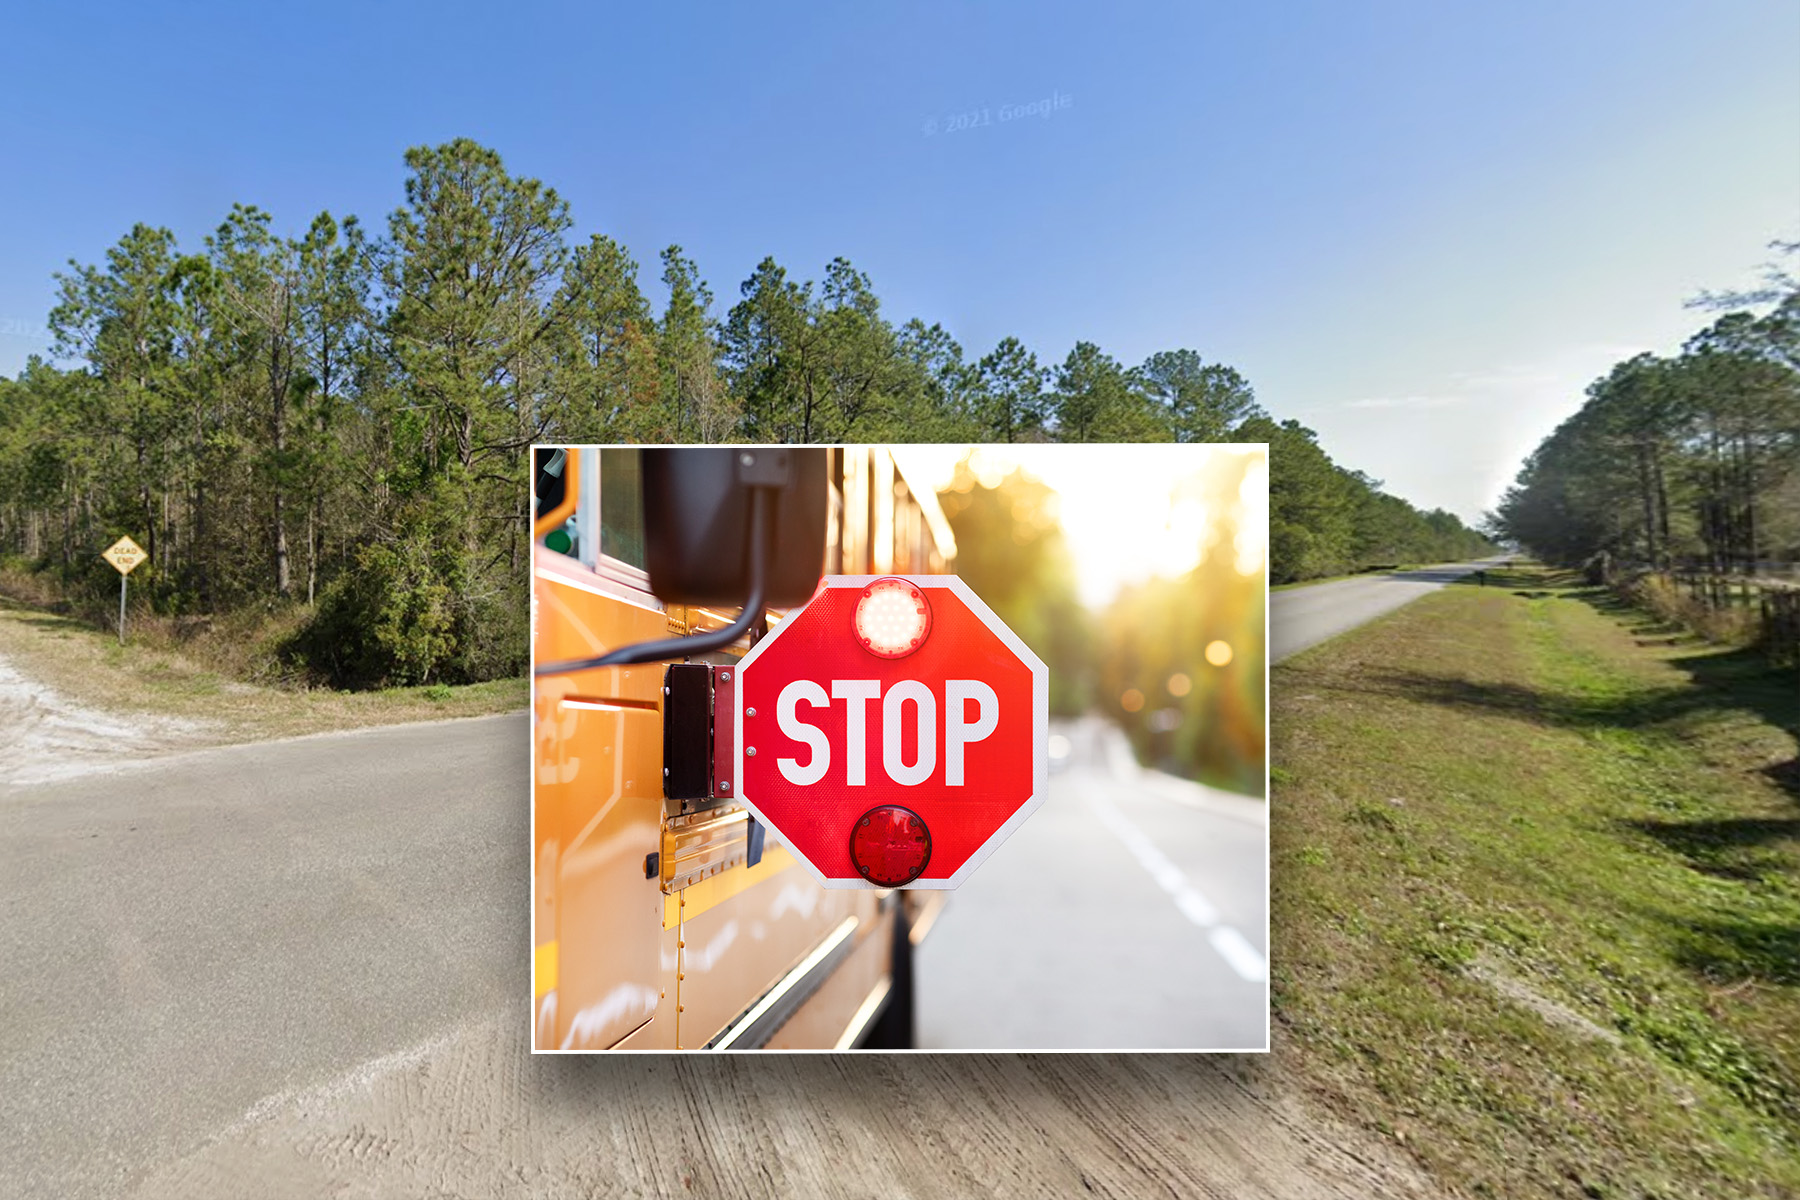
[[682, 647]]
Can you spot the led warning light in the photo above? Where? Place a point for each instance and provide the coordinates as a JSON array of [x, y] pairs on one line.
[[890, 845], [892, 618]]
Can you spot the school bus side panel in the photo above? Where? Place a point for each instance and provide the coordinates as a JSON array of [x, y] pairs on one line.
[[736, 950], [601, 963], [822, 1020]]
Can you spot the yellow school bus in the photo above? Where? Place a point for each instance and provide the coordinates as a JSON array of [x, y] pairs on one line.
[[663, 916]]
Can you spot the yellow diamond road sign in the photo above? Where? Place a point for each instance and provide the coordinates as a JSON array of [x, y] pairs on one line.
[[124, 554]]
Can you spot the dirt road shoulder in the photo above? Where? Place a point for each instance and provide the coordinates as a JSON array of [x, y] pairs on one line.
[[73, 700]]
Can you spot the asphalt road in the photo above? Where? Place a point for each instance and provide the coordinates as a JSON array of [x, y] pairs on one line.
[[236, 961], [296, 968], [184, 941], [1129, 913], [1303, 617]]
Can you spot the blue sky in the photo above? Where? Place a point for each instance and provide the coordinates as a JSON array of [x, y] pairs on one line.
[[1418, 228]]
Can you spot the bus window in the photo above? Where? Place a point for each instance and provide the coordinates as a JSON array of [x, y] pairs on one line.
[[622, 507]]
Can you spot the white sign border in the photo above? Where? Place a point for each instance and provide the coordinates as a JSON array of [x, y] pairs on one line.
[[1040, 725]]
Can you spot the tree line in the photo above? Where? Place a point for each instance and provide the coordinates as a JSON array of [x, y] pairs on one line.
[[1690, 460], [1325, 519], [336, 422]]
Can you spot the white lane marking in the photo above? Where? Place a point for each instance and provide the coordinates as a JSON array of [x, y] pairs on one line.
[[1231, 945], [1194, 906], [1239, 953], [1119, 758]]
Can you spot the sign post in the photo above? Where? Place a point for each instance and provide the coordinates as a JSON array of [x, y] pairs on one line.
[[124, 555], [893, 731]]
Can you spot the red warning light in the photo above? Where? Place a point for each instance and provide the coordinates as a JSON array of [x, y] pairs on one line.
[[892, 618], [890, 845]]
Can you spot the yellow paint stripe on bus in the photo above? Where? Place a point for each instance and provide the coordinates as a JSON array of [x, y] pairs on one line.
[[721, 887], [544, 968]]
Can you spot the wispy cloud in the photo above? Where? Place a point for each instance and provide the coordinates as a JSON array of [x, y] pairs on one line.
[[1579, 360], [1405, 402]]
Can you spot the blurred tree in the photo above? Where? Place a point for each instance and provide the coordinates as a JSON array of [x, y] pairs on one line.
[[1010, 550], [1181, 661]]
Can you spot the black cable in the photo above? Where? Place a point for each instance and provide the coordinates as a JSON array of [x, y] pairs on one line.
[[683, 647]]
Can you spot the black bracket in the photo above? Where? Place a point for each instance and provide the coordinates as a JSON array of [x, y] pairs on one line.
[[765, 466], [687, 731]]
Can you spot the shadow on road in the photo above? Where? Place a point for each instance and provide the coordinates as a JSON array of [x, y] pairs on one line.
[[1427, 575], [1530, 584]]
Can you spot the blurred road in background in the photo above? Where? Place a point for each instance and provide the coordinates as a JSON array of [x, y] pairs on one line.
[[1129, 913], [1303, 617]]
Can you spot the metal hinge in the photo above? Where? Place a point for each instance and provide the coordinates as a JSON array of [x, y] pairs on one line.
[[699, 846]]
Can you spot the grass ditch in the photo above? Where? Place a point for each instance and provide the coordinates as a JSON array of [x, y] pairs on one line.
[[216, 680], [1536, 894]]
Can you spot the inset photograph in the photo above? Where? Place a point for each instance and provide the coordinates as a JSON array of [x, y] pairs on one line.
[[911, 747]]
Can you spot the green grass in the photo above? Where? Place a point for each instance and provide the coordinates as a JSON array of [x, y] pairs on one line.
[[1536, 907], [154, 675]]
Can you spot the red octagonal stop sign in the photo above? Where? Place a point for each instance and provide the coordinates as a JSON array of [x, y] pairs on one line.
[[830, 728]]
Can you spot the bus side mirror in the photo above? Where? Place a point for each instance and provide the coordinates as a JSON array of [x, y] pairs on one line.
[[697, 505]]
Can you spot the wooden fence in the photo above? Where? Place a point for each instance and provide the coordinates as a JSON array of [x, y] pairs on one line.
[[1771, 606]]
